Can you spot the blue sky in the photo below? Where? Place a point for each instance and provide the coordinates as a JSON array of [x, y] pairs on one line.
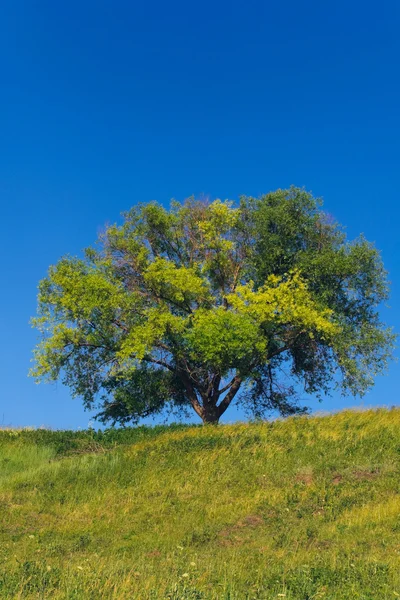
[[106, 104]]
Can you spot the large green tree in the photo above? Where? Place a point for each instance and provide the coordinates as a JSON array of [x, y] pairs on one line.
[[209, 302]]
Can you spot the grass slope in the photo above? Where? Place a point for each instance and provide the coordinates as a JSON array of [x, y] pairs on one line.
[[306, 508]]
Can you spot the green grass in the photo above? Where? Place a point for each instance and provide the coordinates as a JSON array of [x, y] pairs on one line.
[[301, 509]]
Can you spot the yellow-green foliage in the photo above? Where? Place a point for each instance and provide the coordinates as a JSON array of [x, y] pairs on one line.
[[178, 284], [306, 508], [284, 301]]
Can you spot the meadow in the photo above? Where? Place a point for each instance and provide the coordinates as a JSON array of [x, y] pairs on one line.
[[305, 508]]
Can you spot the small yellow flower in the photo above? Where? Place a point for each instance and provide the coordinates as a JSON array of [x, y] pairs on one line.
[[185, 575]]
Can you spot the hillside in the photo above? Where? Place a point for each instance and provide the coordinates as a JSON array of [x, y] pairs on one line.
[[306, 508]]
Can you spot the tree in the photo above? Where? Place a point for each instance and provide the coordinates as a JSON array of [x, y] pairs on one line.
[[207, 302]]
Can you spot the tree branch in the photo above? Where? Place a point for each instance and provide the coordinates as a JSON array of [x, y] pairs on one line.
[[221, 408], [288, 346], [224, 389], [216, 382], [236, 277], [192, 395], [155, 361], [183, 307]]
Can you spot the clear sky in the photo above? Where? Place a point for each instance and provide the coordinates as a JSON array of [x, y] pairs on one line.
[[104, 104]]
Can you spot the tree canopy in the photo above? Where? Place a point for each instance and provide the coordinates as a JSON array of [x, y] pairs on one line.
[[262, 302]]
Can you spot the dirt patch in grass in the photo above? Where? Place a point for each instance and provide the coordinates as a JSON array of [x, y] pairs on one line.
[[234, 535], [358, 475], [304, 478], [305, 475], [365, 474], [250, 521], [153, 554], [337, 478]]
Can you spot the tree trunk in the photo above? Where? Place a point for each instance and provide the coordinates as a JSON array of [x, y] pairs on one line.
[[207, 409], [211, 412], [210, 415]]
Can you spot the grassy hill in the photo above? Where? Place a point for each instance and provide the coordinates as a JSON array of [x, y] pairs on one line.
[[306, 508]]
